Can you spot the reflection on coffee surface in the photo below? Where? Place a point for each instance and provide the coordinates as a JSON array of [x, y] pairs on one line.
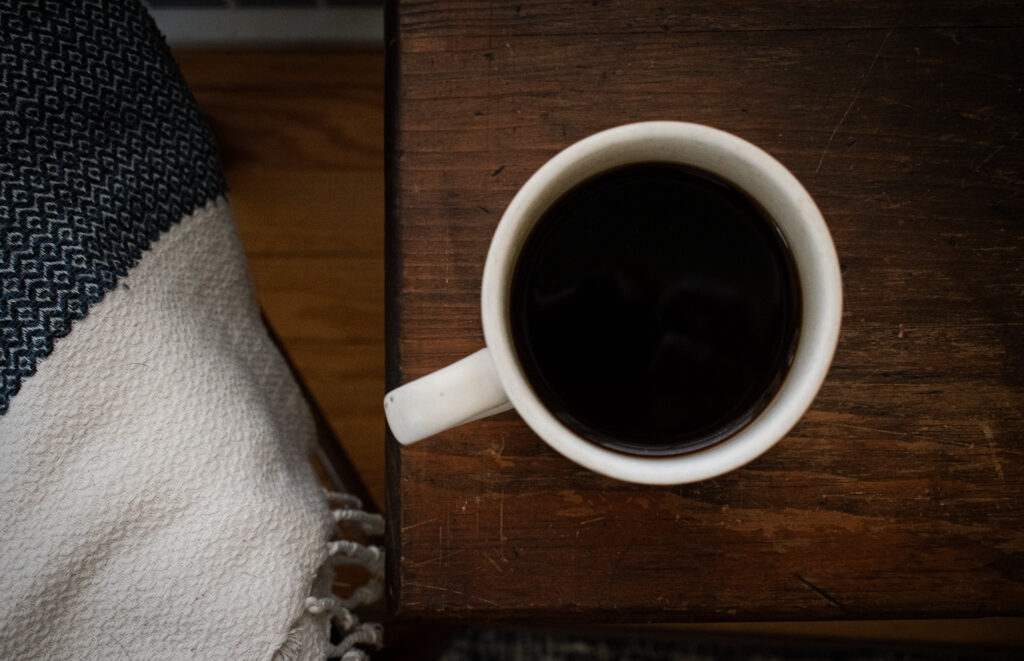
[[655, 309]]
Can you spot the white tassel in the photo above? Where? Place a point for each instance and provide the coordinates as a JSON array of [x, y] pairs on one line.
[[364, 634], [371, 524], [366, 594], [351, 553], [345, 499], [334, 608]]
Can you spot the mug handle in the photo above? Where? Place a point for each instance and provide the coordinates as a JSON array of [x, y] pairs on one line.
[[464, 391]]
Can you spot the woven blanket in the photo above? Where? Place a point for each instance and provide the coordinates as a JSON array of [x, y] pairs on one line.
[[156, 498]]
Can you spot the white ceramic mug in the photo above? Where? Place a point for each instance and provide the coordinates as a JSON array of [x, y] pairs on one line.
[[491, 380]]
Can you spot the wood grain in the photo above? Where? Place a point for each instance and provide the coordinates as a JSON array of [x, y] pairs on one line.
[[900, 493], [301, 138]]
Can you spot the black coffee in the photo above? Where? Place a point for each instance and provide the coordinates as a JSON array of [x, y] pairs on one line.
[[655, 309]]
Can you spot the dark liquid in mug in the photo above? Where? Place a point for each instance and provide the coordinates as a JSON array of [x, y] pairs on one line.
[[655, 309]]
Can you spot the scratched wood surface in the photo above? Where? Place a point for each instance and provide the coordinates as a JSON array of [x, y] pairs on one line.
[[900, 492]]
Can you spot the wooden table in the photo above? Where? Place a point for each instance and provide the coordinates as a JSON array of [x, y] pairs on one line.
[[900, 492]]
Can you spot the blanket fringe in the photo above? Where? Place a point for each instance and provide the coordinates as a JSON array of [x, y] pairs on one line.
[[329, 612], [364, 634], [371, 524], [371, 558], [345, 499]]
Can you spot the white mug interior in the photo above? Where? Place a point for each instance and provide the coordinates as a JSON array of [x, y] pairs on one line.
[[761, 177]]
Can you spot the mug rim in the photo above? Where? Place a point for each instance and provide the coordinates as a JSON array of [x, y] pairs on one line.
[[749, 168]]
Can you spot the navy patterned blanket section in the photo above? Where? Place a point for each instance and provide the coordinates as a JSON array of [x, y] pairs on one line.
[[102, 148]]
